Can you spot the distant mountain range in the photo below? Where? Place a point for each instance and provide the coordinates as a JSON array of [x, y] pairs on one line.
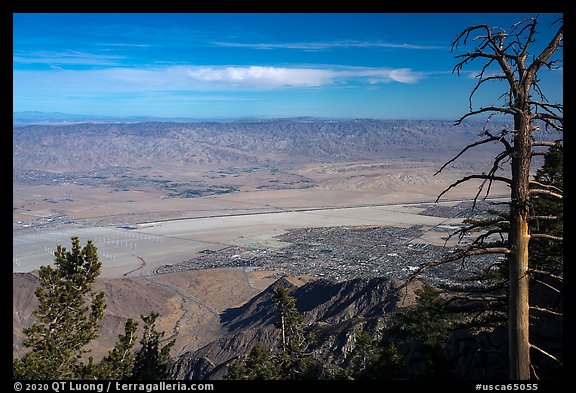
[[59, 118], [97, 145]]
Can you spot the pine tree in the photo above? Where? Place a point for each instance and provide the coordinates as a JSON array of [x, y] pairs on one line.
[[426, 326], [365, 353], [292, 360], [152, 359], [68, 318], [390, 364], [429, 321], [546, 253], [258, 365], [118, 364], [65, 323], [290, 322]]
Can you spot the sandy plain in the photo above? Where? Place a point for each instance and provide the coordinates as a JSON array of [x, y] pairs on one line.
[[140, 229]]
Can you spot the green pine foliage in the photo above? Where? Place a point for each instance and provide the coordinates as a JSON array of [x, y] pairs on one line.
[[371, 360], [548, 254], [152, 360], [390, 364], [365, 353], [421, 331], [258, 365], [293, 358], [68, 318], [118, 364], [424, 329], [68, 315], [429, 321], [290, 323]]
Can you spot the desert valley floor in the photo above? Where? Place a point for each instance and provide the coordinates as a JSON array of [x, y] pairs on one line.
[[191, 259], [137, 232]]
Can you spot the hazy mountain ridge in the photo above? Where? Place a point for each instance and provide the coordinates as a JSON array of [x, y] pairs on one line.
[[279, 141]]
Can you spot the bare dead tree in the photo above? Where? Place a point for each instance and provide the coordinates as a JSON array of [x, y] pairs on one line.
[[508, 53]]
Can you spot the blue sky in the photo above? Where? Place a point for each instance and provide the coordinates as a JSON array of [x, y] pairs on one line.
[[252, 65]]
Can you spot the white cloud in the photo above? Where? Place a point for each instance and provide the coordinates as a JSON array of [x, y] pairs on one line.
[[204, 78], [122, 45], [325, 45], [69, 57], [277, 77], [383, 75], [262, 77]]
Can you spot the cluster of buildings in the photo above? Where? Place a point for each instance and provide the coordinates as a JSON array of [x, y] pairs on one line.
[[342, 253]]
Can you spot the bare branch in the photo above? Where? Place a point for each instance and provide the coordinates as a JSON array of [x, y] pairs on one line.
[[547, 116], [551, 65], [491, 139], [545, 192], [466, 34], [470, 177], [480, 190], [537, 89], [501, 138], [495, 166], [549, 109], [515, 25], [498, 223], [480, 239], [546, 236], [483, 298], [485, 109], [482, 79], [545, 310], [529, 40], [462, 254], [546, 53], [547, 105], [545, 284], [546, 186], [469, 57], [545, 143], [556, 126], [534, 372], [545, 353], [543, 217], [546, 273]]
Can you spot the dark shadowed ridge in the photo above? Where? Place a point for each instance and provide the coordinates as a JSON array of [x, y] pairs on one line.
[[256, 312], [342, 308]]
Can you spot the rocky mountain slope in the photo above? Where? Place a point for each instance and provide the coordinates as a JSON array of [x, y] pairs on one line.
[[205, 343], [337, 311], [86, 146], [184, 300]]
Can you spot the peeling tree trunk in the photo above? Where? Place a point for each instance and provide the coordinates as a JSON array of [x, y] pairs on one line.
[[518, 320], [518, 304]]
